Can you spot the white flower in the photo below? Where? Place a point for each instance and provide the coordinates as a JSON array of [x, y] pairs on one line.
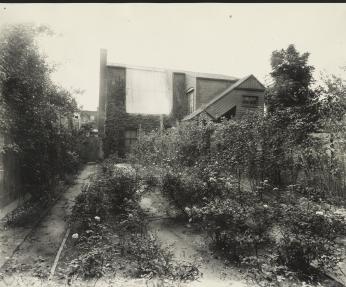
[[228, 185], [97, 218], [75, 236], [265, 205], [319, 212], [265, 181]]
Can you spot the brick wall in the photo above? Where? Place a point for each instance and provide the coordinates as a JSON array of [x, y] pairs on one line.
[[117, 119]]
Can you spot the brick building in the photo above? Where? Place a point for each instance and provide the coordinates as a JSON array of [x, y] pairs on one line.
[[192, 95]]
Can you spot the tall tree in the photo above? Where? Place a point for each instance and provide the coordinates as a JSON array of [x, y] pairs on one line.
[[292, 112], [290, 99], [31, 107]]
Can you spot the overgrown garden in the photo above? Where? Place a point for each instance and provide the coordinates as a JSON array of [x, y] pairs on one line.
[[264, 188], [110, 234], [36, 120]]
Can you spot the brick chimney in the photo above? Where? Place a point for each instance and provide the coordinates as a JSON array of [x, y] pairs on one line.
[[102, 92]]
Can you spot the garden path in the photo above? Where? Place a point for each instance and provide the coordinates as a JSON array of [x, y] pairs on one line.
[[187, 244], [36, 254]]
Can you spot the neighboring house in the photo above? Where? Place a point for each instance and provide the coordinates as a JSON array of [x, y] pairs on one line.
[[244, 94], [193, 95]]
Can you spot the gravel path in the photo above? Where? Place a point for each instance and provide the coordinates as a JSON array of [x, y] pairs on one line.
[[36, 254], [187, 245]]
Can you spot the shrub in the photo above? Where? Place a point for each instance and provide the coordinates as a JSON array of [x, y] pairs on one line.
[[309, 235], [25, 214], [153, 260], [110, 223], [32, 111], [111, 193], [238, 225], [90, 264], [184, 189]]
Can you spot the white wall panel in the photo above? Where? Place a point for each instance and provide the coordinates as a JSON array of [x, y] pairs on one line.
[[148, 91]]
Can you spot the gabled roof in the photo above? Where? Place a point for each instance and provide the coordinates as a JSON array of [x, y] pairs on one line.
[[236, 85], [195, 113]]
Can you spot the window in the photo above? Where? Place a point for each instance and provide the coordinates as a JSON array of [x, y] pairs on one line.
[[130, 138], [250, 101]]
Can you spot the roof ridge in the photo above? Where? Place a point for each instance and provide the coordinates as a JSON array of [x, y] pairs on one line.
[[161, 69]]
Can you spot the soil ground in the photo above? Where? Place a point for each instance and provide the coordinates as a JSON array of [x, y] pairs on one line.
[[187, 245], [31, 263], [36, 254]]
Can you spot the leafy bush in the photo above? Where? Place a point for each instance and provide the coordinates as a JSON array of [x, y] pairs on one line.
[[33, 110], [25, 214], [108, 222], [189, 187], [112, 193], [244, 223], [151, 178], [239, 224], [152, 260], [309, 234], [90, 264], [184, 189]]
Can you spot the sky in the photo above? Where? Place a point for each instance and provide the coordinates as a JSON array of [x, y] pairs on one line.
[[231, 39]]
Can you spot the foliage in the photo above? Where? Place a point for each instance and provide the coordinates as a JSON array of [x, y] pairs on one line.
[[24, 214], [184, 189], [247, 222], [259, 185], [293, 109], [309, 235], [292, 80], [33, 111], [333, 103], [111, 193], [110, 223], [155, 261], [173, 147], [237, 147], [90, 264]]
